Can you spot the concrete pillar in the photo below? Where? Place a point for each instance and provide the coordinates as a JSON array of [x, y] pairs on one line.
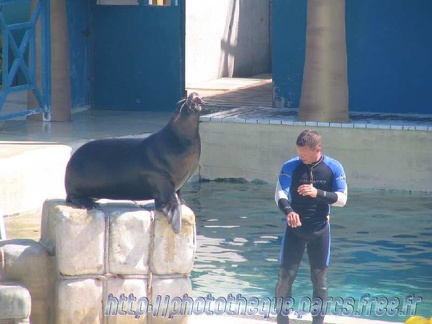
[[60, 81], [61, 102]]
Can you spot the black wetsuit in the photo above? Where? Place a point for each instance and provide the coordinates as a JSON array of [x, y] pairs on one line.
[[328, 177]]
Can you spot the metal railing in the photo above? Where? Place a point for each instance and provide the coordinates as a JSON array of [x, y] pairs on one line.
[[24, 56]]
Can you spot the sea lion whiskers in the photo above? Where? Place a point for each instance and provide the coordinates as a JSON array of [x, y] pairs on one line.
[[180, 105]]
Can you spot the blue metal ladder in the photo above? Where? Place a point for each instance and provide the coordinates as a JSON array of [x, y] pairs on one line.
[[23, 57]]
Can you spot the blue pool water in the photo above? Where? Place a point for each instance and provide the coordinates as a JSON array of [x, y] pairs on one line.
[[381, 248]]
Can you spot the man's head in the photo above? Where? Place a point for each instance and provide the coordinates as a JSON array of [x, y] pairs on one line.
[[308, 146]]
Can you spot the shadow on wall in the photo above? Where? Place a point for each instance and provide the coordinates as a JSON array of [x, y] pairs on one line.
[[245, 46], [227, 38]]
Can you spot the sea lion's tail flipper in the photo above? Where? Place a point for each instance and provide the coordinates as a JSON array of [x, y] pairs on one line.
[[173, 211]]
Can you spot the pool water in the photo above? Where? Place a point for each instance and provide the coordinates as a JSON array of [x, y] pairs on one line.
[[381, 246]]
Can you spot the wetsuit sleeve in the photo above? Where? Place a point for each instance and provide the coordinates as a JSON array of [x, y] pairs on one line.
[[282, 201], [327, 196], [339, 195], [285, 206], [282, 195]]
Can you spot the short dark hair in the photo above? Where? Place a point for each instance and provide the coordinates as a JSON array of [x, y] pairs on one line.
[[309, 138]]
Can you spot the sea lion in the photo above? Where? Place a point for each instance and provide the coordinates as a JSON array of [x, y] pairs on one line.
[[138, 169]]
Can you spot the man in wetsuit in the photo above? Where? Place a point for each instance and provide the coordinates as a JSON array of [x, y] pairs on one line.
[[308, 184]]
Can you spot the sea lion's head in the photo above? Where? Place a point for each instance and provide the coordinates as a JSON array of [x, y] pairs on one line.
[[191, 105], [185, 121]]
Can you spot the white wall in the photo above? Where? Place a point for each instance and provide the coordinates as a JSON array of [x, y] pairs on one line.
[[227, 38], [372, 158]]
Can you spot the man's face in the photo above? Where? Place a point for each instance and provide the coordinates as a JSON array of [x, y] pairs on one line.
[[309, 155]]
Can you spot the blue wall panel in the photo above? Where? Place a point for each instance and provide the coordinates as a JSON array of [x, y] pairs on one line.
[[390, 55], [78, 12], [288, 39], [138, 57], [389, 45]]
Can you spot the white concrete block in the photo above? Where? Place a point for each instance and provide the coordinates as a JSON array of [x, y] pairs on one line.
[[174, 253], [15, 301], [126, 301], [129, 238], [347, 125], [50, 208], [79, 301], [171, 297], [80, 240], [28, 263]]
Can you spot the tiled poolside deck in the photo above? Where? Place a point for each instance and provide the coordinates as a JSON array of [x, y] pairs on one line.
[[285, 116]]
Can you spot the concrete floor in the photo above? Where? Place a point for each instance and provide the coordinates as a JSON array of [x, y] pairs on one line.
[[85, 125]]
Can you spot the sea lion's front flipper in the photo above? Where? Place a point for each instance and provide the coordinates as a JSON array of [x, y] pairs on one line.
[[172, 210], [81, 202], [182, 202]]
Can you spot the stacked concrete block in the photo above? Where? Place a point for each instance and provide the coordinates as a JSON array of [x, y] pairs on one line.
[[174, 253], [28, 263], [79, 301], [114, 262], [169, 298], [15, 303], [126, 302], [80, 236], [129, 240]]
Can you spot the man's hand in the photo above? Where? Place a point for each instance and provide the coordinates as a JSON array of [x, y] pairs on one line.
[[307, 190], [293, 219]]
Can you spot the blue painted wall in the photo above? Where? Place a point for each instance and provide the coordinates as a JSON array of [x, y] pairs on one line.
[[288, 50], [78, 12], [389, 45], [126, 57], [138, 57]]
